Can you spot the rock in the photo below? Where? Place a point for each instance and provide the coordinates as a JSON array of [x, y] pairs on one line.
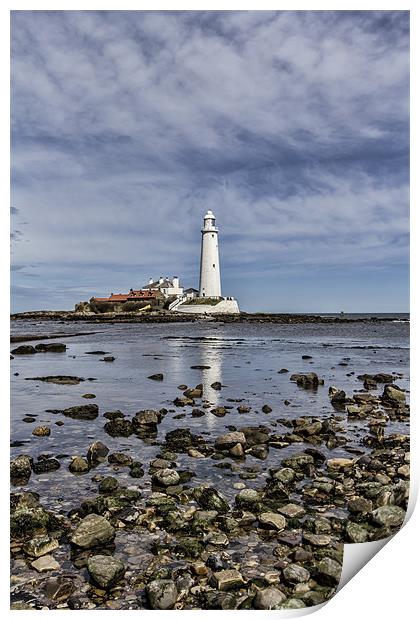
[[308, 427], [97, 452], [136, 470], [40, 545], [380, 377], [282, 371], [92, 531], [237, 451], [105, 570], [244, 409], [147, 417], [197, 413], [340, 463], [393, 395], [162, 594], [309, 380], [225, 442], [45, 563], [358, 505], [388, 516], [166, 477], [82, 412], [88, 396], [108, 358], [156, 377], [337, 397], [108, 485], [298, 461], [268, 598], [50, 347], [113, 415], [24, 349], [328, 571], [59, 589], [41, 431], [216, 385], [96, 352], [119, 428], [58, 379], [247, 498], [196, 392], [292, 511], [272, 520], [120, 458], [294, 573], [21, 468], [356, 533], [79, 465], [197, 367], [196, 454], [210, 499], [266, 409], [45, 465], [219, 412], [318, 540], [227, 580], [179, 439], [183, 402]]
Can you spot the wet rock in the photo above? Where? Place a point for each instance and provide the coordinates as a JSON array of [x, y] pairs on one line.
[[298, 461], [119, 428], [183, 402], [282, 371], [380, 377], [308, 380], [28, 517], [197, 367], [196, 454], [39, 546], [96, 352], [45, 465], [58, 379], [24, 349], [318, 540], [210, 499], [166, 477], [162, 594], [82, 412], [105, 570], [339, 464], [147, 418], [358, 505], [97, 452], [196, 392], [197, 413], [216, 385], [59, 589], [244, 409], [108, 358], [113, 415], [120, 458], [88, 396], [272, 520], [179, 439], [50, 347], [219, 412], [156, 377], [328, 571], [293, 511], [356, 533], [308, 426], [388, 516], [225, 442], [268, 598], [337, 397], [92, 531], [79, 465], [229, 579], [21, 468], [248, 499], [266, 409], [45, 563], [294, 573], [393, 395], [136, 470], [108, 485], [41, 431]]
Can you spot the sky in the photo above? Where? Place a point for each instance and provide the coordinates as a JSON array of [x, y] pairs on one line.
[[292, 126]]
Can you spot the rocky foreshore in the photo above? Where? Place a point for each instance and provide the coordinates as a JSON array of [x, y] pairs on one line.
[[164, 316], [164, 542]]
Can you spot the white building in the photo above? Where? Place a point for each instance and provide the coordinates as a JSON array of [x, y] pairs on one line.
[[209, 300], [168, 287], [209, 264]]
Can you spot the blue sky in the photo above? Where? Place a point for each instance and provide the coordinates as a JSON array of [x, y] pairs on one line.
[[293, 127]]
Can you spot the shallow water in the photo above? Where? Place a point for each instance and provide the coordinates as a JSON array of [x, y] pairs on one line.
[[244, 358]]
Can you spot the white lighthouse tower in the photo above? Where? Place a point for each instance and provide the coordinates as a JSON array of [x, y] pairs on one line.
[[209, 265]]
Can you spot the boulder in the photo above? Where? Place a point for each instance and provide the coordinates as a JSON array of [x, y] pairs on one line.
[[24, 349], [166, 477], [82, 412], [50, 347], [227, 580], [92, 531], [44, 465], [45, 563], [393, 395], [388, 516], [210, 499], [40, 545], [156, 377], [41, 431], [328, 571], [309, 380], [79, 465], [21, 468], [119, 428], [225, 442], [162, 594], [272, 521], [97, 452], [105, 570], [294, 573], [147, 417], [268, 598]]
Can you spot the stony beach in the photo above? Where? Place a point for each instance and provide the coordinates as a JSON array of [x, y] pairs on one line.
[[202, 465]]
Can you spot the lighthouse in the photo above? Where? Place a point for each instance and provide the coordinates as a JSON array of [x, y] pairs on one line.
[[209, 265]]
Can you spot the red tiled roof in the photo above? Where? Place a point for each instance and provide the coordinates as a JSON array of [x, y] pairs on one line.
[[139, 295]]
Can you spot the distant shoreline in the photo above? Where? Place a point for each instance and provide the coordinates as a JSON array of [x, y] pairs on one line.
[[173, 317]]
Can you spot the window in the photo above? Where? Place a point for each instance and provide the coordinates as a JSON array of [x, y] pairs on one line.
[[214, 266]]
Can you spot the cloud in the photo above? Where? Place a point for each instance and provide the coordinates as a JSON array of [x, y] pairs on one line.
[[291, 126]]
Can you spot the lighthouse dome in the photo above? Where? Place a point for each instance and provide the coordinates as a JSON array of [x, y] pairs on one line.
[[209, 215]]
